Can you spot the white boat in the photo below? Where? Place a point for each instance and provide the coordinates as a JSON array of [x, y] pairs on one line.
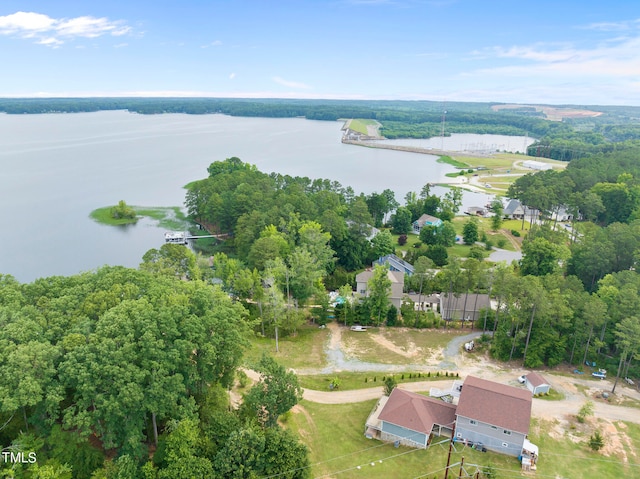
[[175, 237]]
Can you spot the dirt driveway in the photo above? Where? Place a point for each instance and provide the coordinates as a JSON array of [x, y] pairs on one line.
[[576, 389]]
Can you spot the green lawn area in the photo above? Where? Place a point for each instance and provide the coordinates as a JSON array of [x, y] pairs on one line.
[[335, 437], [552, 396], [411, 240], [354, 380], [360, 125], [457, 162], [303, 350]]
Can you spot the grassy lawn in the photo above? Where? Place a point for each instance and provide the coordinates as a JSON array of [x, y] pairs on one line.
[[335, 437], [552, 396], [516, 225], [304, 350], [170, 217], [353, 380], [411, 240], [457, 162], [360, 125]]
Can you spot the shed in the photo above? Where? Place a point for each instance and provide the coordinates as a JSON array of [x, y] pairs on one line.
[[537, 384]]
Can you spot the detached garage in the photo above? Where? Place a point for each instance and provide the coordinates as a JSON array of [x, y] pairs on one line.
[[537, 384]]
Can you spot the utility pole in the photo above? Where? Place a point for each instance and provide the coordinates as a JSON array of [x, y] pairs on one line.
[[453, 434], [444, 114], [461, 465]]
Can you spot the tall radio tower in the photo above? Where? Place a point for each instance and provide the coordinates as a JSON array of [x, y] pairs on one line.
[[444, 115]]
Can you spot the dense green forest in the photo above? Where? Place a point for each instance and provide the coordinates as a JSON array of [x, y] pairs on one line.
[[102, 370], [617, 128], [124, 373]]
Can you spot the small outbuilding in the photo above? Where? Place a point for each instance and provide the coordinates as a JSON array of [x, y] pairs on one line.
[[537, 384]]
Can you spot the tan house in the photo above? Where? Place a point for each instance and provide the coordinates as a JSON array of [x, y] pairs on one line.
[[397, 285]]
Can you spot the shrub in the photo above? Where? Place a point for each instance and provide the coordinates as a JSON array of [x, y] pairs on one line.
[[596, 441], [515, 233], [502, 242], [243, 379], [402, 240], [389, 385], [585, 411]]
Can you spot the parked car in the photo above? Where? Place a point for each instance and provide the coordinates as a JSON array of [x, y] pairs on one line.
[[599, 375], [522, 379]]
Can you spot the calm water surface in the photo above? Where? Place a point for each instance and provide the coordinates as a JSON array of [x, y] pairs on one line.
[[56, 169]]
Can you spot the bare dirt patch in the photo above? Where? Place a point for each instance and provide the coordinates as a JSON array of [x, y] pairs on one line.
[[411, 352], [553, 113]]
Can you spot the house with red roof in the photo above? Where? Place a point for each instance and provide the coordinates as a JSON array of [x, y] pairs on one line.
[[409, 419], [493, 414]]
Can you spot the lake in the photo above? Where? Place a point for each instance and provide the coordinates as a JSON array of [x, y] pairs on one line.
[[57, 168]]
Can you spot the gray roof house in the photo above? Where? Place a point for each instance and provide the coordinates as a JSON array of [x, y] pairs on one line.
[[464, 307], [494, 414], [410, 418], [536, 383], [395, 264], [517, 211], [426, 220], [397, 285]]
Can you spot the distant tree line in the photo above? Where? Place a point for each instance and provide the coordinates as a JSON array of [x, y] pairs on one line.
[[615, 128]]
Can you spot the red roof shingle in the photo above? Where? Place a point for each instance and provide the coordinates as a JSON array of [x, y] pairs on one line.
[[536, 380], [416, 412], [496, 404]]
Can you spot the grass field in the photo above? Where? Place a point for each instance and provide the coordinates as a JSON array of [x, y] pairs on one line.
[[360, 125], [303, 350], [353, 380], [335, 437], [457, 162]]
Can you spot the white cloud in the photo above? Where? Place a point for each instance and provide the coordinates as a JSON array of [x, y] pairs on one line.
[[291, 84], [215, 43], [613, 58], [53, 31], [613, 26], [232, 76], [50, 41]]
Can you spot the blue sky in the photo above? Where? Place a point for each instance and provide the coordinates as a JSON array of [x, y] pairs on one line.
[[557, 52]]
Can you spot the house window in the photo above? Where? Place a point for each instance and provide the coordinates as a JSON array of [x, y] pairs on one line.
[[508, 433], [473, 422], [504, 444], [363, 291]]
